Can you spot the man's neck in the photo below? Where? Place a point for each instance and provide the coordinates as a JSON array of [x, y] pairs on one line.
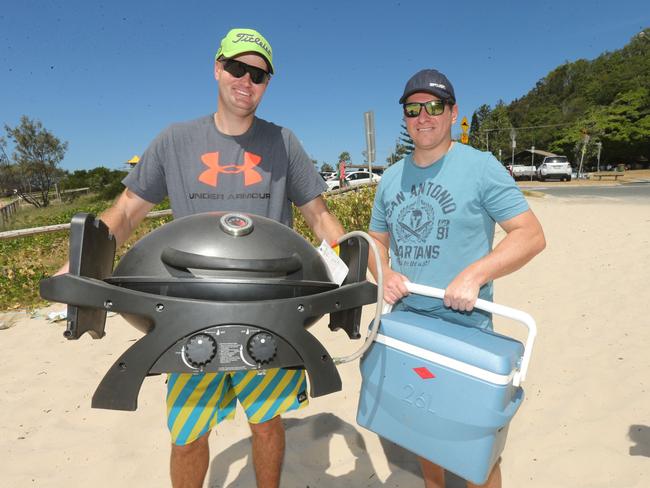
[[232, 125], [427, 157]]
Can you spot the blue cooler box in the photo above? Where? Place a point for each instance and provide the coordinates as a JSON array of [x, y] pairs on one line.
[[441, 390]]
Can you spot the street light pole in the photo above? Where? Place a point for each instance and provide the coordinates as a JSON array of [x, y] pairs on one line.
[[513, 136], [532, 160], [585, 141]]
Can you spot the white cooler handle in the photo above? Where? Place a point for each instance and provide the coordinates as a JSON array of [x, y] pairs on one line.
[[495, 308]]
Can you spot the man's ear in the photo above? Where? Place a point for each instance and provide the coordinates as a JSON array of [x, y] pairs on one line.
[[454, 113], [217, 70]]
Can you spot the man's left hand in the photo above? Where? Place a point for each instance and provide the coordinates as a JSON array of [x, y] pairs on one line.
[[462, 293]]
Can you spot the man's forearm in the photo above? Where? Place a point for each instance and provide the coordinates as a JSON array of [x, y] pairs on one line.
[[516, 249], [327, 228], [380, 242]]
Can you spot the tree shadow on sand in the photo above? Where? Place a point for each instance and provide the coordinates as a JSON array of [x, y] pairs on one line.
[[641, 435], [311, 453]]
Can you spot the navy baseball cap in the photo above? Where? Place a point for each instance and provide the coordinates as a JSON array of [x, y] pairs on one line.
[[430, 81]]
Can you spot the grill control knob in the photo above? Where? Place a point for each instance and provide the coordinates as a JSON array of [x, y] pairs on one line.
[[200, 349], [262, 347]]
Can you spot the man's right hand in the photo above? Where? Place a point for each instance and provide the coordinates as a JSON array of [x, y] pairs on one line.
[[394, 286]]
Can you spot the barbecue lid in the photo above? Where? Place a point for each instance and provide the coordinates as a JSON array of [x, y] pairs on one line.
[[223, 256]]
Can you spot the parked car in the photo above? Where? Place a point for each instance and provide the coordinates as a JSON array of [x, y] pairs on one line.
[[359, 177], [522, 172], [554, 167]]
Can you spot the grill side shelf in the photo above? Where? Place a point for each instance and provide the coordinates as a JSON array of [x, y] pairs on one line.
[[91, 255]]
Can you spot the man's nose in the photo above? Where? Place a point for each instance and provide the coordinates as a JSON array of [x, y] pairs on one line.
[[247, 78], [423, 115]]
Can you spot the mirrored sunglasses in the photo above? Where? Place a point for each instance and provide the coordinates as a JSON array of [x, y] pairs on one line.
[[239, 69], [433, 107]]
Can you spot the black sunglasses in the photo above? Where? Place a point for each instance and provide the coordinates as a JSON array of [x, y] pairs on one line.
[[239, 69], [433, 107]]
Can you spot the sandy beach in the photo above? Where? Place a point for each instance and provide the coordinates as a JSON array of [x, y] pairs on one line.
[[585, 421]]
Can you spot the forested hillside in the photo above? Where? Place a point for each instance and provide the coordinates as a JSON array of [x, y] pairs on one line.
[[607, 98]]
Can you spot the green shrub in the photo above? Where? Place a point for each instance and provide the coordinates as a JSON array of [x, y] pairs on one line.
[[352, 208]]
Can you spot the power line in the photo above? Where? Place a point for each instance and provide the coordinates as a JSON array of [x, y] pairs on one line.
[[526, 127], [487, 131]]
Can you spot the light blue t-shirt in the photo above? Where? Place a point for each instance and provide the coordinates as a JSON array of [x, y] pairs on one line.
[[442, 218]]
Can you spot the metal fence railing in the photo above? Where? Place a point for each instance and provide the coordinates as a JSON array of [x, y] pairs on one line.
[[11, 234]]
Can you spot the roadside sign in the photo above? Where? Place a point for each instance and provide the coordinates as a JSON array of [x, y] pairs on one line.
[[464, 125], [464, 138]]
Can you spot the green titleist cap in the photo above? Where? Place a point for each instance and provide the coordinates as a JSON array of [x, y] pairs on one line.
[[239, 41]]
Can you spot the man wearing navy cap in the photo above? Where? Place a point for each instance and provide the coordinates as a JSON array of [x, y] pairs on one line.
[[229, 160], [434, 215]]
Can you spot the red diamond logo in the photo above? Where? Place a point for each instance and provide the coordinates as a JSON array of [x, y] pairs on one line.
[[424, 373]]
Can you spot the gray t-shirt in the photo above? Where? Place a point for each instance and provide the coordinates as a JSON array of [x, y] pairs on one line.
[[260, 172]]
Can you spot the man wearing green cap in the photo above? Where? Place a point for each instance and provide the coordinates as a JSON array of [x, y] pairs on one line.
[[228, 161]]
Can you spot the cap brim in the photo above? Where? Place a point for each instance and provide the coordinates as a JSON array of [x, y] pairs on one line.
[[235, 54], [441, 95]]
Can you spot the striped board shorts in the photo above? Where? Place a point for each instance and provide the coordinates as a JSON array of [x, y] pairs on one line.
[[197, 402]]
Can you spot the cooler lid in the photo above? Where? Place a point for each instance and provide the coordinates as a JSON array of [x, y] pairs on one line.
[[481, 349]]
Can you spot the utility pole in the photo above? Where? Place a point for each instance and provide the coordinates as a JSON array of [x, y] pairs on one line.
[[599, 145], [532, 160], [513, 136], [369, 120], [585, 141]]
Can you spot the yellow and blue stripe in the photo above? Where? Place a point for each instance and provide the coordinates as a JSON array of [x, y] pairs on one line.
[[197, 402]]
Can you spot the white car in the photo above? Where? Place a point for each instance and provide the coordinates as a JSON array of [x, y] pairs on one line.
[[522, 172], [360, 177], [554, 167]]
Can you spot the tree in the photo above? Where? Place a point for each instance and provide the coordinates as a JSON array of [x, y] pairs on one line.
[[477, 137], [403, 146], [607, 97], [326, 167], [398, 153], [105, 183], [405, 139], [623, 128], [5, 185], [345, 156], [498, 126], [33, 169]]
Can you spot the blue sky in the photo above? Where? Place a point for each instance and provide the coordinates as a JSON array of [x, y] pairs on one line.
[[107, 77]]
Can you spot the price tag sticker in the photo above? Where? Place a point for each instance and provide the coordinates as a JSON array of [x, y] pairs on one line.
[[336, 268]]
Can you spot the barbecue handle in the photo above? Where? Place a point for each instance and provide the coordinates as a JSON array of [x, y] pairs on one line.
[[181, 259], [495, 308]]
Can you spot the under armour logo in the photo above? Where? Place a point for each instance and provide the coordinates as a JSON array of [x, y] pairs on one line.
[[211, 175]]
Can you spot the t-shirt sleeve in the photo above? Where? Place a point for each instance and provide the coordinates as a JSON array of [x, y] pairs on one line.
[[501, 197], [303, 181], [378, 215], [147, 178]]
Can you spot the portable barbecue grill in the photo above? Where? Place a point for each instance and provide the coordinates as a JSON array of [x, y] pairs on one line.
[[212, 292]]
